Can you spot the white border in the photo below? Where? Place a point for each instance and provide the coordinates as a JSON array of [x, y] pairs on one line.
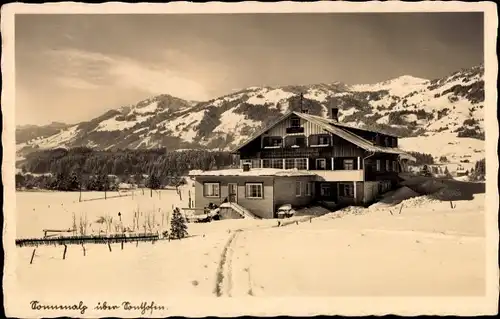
[[16, 306]]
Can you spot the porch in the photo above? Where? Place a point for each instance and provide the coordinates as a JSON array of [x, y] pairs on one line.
[[343, 193]]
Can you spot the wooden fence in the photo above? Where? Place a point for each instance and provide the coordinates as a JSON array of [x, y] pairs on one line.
[[80, 240]]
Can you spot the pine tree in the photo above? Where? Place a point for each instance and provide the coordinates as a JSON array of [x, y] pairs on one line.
[[447, 172], [178, 228], [153, 181], [425, 170], [479, 171]]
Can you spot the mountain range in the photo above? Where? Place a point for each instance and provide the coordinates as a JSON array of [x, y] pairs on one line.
[[407, 106]]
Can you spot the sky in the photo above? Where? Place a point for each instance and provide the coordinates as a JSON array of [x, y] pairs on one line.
[[72, 68]]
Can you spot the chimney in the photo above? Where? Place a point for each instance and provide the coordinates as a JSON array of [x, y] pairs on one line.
[[335, 114], [246, 167], [302, 109]]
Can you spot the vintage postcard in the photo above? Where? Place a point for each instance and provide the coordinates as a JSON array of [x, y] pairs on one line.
[[264, 159]]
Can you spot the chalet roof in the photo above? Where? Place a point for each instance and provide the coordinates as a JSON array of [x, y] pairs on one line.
[[333, 127], [337, 123], [251, 172]]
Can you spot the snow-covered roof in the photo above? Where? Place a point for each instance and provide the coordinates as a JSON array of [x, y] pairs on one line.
[[252, 172]]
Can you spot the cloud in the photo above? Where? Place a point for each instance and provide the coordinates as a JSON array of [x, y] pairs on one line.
[[76, 83], [90, 70]]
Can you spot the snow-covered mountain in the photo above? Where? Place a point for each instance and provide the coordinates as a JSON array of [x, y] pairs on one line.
[[406, 105]]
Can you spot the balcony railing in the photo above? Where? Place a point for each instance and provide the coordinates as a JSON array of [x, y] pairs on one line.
[[293, 130], [355, 175]]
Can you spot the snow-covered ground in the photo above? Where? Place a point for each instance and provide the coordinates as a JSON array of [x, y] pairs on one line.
[[457, 150], [234, 122], [429, 249], [185, 125], [271, 96], [399, 86], [114, 125], [56, 140]]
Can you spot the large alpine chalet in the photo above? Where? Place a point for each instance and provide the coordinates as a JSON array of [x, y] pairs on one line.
[[302, 159]]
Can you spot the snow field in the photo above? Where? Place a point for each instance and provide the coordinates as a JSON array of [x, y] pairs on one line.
[[429, 249], [447, 144]]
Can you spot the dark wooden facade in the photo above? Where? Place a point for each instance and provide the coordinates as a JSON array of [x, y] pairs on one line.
[[295, 137]]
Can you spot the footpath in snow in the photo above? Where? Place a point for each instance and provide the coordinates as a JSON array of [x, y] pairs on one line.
[[418, 246]]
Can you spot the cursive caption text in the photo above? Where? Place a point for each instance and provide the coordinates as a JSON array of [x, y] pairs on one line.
[[143, 308]]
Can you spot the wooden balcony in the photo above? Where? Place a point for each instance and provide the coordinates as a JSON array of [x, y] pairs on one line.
[[294, 130], [355, 175]]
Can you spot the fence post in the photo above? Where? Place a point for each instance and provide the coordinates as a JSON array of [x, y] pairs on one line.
[[84, 252], [122, 245], [64, 253], [109, 246]]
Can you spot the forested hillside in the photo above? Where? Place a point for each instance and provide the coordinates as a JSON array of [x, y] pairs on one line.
[[65, 169]]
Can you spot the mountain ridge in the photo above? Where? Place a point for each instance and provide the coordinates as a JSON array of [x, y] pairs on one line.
[[406, 106]]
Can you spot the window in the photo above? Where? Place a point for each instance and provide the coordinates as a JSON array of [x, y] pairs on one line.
[[211, 189], [295, 141], [320, 163], [323, 140], [272, 141], [324, 190], [308, 189], [300, 141], [289, 163], [256, 163], [276, 141], [346, 190], [301, 163], [294, 122], [319, 140], [266, 163], [348, 164], [387, 165], [394, 166], [378, 165], [254, 190], [277, 163], [298, 189]]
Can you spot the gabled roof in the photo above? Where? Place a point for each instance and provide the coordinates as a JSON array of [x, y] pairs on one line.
[[332, 127], [265, 129], [337, 123]]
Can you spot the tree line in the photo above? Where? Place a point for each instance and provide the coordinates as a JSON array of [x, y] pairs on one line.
[[72, 169], [422, 158], [478, 173]]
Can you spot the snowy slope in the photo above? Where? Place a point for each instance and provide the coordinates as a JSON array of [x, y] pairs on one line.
[[429, 250], [405, 106], [458, 151]]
